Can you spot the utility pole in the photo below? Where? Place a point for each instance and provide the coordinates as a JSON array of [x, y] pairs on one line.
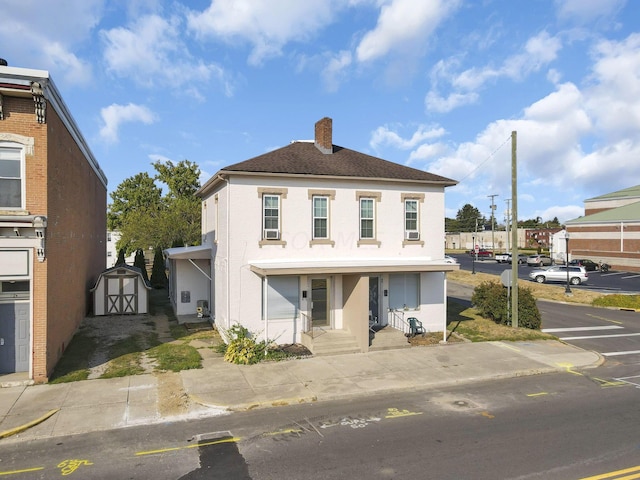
[[514, 230], [493, 222]]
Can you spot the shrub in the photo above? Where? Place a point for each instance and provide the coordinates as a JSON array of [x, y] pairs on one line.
[[491, 301], [243, 348]]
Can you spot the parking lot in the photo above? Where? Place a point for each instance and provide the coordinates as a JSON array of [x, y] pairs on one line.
[[609, 282]]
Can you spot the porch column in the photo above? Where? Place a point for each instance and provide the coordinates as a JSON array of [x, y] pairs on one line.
[[355, 308]]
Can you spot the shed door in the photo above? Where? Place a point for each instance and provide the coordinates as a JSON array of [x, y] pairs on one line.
[[121, 295], [14, 337]]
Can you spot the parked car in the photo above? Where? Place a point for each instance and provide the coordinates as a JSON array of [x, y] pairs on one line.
[[558, 273], [538, 260], [590, 265], [506, 258], [481, 253], [449, 259]]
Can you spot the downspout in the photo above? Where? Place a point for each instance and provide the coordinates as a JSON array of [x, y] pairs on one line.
[[228, 209], [265, 310]]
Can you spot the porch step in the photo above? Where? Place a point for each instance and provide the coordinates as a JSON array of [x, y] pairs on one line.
[[334, 342], [388, 338]]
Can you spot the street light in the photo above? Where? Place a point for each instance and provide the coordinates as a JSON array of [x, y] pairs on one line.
[[567, 290]]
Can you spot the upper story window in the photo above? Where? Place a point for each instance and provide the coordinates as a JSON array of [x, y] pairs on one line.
[[367, 219], [367, 203], [320, 217], [271, 217], [12, 177], [412, 214], [411, 220]]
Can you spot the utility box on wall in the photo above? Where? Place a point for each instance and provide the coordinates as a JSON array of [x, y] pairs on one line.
[[185, 297]]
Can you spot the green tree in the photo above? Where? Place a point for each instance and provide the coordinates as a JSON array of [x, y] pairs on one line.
[[121, 260], [451, 225], [158, 274], [146, 218], [467, 217]]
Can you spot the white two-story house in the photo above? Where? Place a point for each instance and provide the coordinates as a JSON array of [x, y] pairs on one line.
[[316, 236]]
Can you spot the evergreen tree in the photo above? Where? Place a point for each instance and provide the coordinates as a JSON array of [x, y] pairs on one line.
[[120, 260], [138, 261], [158, 274]]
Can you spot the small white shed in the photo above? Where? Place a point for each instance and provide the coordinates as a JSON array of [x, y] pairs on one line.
[[121, 290]]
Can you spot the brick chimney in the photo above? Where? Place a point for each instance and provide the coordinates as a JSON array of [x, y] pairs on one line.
[[324, 133]]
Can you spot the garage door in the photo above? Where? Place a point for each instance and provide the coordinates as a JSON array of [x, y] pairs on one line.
[[14, 336]]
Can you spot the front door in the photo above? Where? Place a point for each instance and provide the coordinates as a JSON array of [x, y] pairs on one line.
[[374, 298], [319, 302], [14, 336]]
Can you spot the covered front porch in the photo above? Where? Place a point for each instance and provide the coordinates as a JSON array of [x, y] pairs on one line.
[[352, 306]]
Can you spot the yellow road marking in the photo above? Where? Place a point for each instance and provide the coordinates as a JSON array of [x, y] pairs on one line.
[[608, 383], [194, 445], [536, 394], [616, 473], [395, 413], [487, 414], [603, 318], [283, 432], [26, 470]]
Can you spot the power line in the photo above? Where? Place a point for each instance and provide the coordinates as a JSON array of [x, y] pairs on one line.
[[508, 139]]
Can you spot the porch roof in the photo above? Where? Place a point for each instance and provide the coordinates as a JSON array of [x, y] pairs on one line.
[[349, 265], [185, 253]]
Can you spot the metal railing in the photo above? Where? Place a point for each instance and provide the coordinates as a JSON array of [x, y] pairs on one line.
[[308, 328], [397, 321]]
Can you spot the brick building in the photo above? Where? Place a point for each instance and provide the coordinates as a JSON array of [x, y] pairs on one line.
[[609, 231], [53, 200]]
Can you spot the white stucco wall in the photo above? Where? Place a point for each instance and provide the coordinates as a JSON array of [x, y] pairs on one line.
[[238, 205]]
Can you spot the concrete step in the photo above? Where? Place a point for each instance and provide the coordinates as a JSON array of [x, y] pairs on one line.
[[388, 338], [335, 342]]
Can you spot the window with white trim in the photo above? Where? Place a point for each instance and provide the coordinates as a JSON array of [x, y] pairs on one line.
[[12, 181], [367, 218], [320, 217], [271, 217], [411, 219], [283, 297], [404, 291]]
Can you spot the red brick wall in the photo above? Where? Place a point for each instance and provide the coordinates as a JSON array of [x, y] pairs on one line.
[[61, 185], [607, 249]]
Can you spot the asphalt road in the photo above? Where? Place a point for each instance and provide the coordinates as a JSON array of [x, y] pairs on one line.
[[560, 426]]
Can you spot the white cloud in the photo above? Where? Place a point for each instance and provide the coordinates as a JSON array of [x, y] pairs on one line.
[[43, 35], [538, 52], [152, 52], [267, 25], [385, 136], [335, 70], [115, 115], [585, 11], [402, 24]]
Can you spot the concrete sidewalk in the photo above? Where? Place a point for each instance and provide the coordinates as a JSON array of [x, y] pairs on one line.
[[40, 411]]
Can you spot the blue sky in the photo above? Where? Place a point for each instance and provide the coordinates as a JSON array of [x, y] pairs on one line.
[[435, 84]]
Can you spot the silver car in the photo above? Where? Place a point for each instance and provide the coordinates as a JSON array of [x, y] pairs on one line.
[[558, 273], [538, 260]]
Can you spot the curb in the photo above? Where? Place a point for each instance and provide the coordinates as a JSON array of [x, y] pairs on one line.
[[26, 426]]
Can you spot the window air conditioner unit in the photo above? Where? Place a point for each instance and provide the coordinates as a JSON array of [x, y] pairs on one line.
[[412, 235], [272, 234]]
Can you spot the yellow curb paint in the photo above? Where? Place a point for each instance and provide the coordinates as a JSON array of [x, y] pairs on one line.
[[537, 394], [22, 428], [568, 367]]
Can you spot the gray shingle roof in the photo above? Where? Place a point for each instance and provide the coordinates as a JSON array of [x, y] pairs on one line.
[[304, 158]]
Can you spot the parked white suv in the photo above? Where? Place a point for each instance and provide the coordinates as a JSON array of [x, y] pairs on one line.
[[558, 273]]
